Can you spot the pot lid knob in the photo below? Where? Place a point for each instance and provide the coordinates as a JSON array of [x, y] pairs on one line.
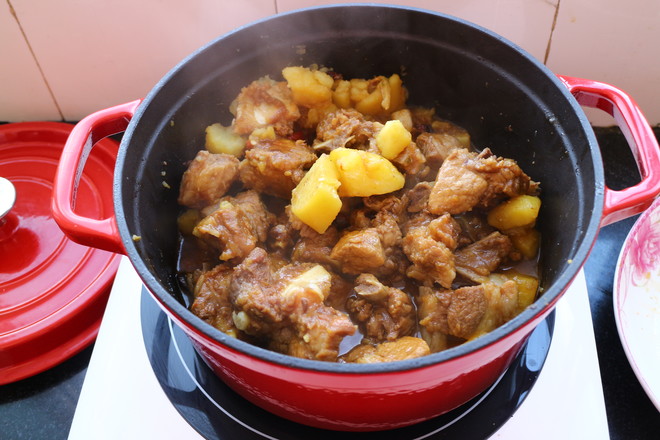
[[7, 197]]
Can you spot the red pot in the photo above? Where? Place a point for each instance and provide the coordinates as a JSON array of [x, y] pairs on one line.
[[506, 99]]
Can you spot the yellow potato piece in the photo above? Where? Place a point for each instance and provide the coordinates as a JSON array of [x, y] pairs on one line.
[[310, 88], [371, 104], [315, 200], [363, 174], [527, 242], [378, 96], [517, 212], [188, 220], [221, 139], [392, 139], [316, 114], [341, 96], [397, 93], [358, 90], [528, 286]]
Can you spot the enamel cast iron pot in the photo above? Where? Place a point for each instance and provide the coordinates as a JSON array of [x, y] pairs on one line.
[[506, 99]]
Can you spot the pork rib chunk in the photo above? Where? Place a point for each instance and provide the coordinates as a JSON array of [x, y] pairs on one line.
[[429, 246], [207, 179], [212, 302], [467, 180], [275, 166], [477, 260], [262, 103], [286, 306], [469, 311], [385, 313], [236, 225]]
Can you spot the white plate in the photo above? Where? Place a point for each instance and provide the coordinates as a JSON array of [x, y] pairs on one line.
[[637, 300]]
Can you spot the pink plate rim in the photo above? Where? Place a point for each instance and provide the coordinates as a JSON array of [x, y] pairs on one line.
[[638, 261]]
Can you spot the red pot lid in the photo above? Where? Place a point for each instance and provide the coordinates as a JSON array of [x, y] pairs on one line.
[[53, 291]]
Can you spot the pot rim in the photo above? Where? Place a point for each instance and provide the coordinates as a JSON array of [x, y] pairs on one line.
[[538, 310]]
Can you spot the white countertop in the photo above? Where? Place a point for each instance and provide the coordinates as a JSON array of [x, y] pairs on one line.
[[122, 399]]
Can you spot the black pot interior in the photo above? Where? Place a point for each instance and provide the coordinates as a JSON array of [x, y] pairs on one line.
[[507, 101]]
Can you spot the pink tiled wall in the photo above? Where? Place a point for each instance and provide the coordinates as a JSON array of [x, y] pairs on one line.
[[66, 59]]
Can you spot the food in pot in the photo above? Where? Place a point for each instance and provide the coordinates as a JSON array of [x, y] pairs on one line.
[[332, 221]]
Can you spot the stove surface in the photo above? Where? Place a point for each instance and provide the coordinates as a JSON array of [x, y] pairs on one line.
[[122, 398]]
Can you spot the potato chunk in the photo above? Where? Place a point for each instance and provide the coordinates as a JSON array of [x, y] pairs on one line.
[[187, 221], [310, 88], [517, 212], [392, 139], [528, 286], [397, 93], [364, 174], [526, 242], [341, 95], [315, 200], [406, 347], [377, 96], [221, 139]]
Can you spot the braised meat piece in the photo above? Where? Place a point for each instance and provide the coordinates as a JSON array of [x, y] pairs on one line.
[[236, 225], [429, 246], [384, 313], [340, 290], [389, 203], [345, 128], [505, 179], [469, 311], [384, 213], [359, 251], [474, 227], [476, 261], [374, 248], [436, 147], [275, 166], [457, 187], [212, 302], [316, 249], [502, 306], [265, 103], [286, 307], [418, 196], [411, 161], [432, 306], [207, 178], [282, 235], [467, 180], [407, 347], [457, 313]]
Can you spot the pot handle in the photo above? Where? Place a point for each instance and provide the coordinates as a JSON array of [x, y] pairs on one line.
[[643, 144], [97, 233]]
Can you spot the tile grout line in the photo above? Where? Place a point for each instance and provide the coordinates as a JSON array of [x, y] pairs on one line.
[[552, 32], [274, 4], [12, 11]]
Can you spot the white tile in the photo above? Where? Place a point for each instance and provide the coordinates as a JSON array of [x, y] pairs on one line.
[[97, 54], [23, 92], [525, 22], [614, 42]]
